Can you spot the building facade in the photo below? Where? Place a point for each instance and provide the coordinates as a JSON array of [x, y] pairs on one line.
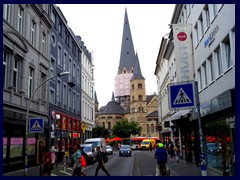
[[65, 92], [26, 33], [88, 99], [213, 65]]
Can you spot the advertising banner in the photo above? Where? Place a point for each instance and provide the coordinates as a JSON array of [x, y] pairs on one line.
[[183, 52]]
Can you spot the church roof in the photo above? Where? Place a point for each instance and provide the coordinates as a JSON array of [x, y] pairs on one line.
[[149, 98], [112, 107], [127, 56], [96, 100], [137, 74], [153, 114]]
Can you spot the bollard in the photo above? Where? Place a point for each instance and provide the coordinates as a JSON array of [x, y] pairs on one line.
[[64, 163]]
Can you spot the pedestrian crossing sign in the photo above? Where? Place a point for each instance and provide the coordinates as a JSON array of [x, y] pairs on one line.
[[36, 125], [181, 95]]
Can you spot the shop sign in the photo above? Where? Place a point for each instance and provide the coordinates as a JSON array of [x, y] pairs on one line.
[[211, 37], [4, 141], [221, 102], [75, 135]]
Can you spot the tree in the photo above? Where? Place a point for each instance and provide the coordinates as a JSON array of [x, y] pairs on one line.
[[100, 131], [124, 129]]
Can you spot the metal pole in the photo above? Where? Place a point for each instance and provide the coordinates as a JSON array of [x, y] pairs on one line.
[[27, 115], [202, 155]]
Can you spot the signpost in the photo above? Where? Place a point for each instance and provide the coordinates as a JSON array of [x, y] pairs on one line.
[[184, 95], [36, 125]]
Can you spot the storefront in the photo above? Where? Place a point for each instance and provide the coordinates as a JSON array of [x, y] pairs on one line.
[[14, 129], [66, 132]]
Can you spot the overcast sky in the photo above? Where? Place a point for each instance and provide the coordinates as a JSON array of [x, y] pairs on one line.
[[101, 28]]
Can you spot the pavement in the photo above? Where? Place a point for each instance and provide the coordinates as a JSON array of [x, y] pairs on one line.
[[183, 168], [186, 168]]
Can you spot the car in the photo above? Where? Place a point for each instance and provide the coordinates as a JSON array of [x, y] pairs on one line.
[[109, 150], [134, 146], [89, 153], [212, 148], [145, 144], [125, 150]]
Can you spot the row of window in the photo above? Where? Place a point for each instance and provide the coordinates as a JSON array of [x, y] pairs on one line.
[[140, 86], [69, 66], [205, 19], [152, 128], [87, 111], [65, 97], [218, 62], [20, 26], [87, 86], [12, 70], [140, 98], [59, 28]]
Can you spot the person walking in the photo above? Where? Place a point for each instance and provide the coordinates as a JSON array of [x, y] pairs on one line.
[[100, 161], [77, 160], [47, 166], [161, 156], [53, 151], [177, 152], [171, 150]]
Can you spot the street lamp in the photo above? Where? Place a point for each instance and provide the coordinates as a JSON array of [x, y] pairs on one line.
[[28, 105]]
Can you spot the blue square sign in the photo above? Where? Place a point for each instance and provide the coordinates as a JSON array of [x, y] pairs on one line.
[[181, 95], [36, 125]]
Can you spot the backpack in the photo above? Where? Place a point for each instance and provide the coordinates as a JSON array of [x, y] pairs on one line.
[[84, 163], [104, 156]]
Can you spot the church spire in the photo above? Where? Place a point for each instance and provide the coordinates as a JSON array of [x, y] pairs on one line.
[[127, 56], [113, 98], [137, 70]]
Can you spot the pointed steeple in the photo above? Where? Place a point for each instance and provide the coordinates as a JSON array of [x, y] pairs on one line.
[[127, 56], [113, 98], [96, 100], [137, 70]]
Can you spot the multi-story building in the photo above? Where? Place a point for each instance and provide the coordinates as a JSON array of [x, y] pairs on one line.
[[88, 99], [132, 102], [163, 79], [65, 92], [26, 33], [213, 39]]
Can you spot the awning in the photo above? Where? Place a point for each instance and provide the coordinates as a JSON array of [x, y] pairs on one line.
[[166, 131]]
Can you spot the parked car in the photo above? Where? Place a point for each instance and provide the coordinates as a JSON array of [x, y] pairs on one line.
[[109, 150], [89, 153], [212, 148], [125, 150], [134, 146]]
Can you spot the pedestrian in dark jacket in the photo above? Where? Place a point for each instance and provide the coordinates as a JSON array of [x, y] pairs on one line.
[[161, 156], [100, 161]]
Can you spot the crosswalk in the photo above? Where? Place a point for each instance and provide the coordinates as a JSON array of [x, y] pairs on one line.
[[68, 172]]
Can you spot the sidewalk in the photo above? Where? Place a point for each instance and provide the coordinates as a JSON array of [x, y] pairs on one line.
[[32, 171], [184, 168]]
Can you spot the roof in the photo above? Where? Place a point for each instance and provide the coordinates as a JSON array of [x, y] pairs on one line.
[[149, 98], [127, 56], [137, 74], [153, 114], [96, 100], [111, 108]]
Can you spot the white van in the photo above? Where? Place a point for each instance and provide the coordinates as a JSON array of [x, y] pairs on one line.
[[97, 142]]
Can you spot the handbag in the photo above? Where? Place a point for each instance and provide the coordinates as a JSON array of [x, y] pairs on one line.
[[84, 163]]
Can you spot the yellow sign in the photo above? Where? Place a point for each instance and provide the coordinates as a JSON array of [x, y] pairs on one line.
[[84, 127]]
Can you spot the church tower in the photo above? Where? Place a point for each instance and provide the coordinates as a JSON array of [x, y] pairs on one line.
[[126, 66], [138, 95]]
